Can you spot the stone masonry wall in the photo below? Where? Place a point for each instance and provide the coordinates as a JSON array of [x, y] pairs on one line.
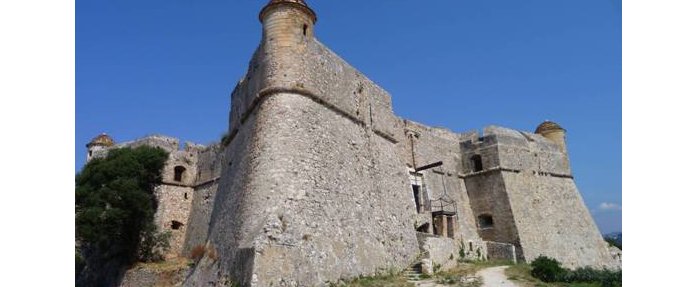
[[209, 165], [542, 206], [200, 216], [527, 188], [432, 145], [488, 197], [326, 198], [172, 214], [501, 251], [314, 190]]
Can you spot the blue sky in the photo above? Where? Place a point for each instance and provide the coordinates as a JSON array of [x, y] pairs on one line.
[[168, 67]]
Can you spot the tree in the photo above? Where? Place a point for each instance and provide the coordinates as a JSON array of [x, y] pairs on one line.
[[115, 205]]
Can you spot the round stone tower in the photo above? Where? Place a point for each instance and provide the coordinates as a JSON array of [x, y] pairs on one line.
[[98, 143], [287, 22], [553, 132]]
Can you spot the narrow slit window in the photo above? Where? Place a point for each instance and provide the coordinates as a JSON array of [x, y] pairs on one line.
[[179, 173], [305, 29], [477, 162], [417, 196]]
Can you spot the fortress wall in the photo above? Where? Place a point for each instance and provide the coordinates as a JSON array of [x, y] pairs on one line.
[[172, 215], [531, 196], [312, 70], [209, 166], [209, 163], [186, 159], [486, 147], [488, 197], [553, 221], [175, 198], [230, 252], [433, 145], [329, 197], [169, 144], [526, 151], [201, 208]]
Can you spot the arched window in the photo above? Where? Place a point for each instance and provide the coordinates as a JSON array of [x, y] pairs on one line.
[[476, 161], [485, 221], [179, 172]]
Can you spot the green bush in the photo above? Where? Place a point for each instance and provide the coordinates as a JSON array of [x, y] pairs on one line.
[[606, 278], [461, 249], [115, 205], [547, 269]]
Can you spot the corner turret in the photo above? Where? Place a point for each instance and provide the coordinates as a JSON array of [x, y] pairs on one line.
[[98, 143], [287, 22], [553, 132]]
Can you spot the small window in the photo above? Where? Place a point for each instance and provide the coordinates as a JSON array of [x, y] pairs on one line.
[[90, 153], [176, 225], [485, 221], [470, 245], [423, 228], [417, 195], [305, 29], [186, 196], [179, 172], [476, 161]]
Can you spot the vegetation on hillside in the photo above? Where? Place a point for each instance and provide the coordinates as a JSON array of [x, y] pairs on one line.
[[613, 242], [114, 210]]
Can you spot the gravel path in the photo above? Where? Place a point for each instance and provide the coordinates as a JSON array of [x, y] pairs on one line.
[[494, 277]]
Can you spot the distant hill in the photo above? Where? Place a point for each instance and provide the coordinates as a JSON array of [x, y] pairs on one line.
[[615, 238]]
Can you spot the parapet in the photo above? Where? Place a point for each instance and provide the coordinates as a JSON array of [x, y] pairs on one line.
[[169, 144], [514, 150]]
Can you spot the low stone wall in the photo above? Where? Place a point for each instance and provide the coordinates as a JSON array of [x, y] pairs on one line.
[[501, 251], [442, 251]]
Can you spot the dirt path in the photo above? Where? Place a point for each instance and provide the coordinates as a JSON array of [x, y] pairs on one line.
[[494, 277]]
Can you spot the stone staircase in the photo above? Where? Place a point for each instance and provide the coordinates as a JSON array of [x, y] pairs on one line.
[[413, 273]]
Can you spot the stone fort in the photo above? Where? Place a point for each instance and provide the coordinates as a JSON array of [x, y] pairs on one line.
[[319, 181]]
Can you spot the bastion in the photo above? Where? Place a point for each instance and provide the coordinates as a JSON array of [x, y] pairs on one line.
[[319, 181]]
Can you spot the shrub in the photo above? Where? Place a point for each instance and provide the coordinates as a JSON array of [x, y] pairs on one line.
[[606, 278], [461, 249], [547, 269]]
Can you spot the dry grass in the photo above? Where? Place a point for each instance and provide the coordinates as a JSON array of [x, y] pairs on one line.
[[521, 275], [197, 252], [169, 273], [378, 281]]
